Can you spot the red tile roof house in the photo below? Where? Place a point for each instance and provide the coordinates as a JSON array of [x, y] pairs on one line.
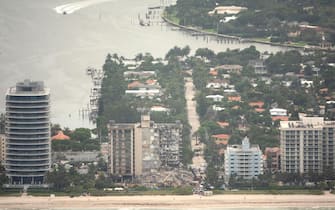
[[221, 140], [280, 118], [234, 98], [258, 106], [223, 124], [259, 110], [134, 84], [151, 82], [221, 137], [60, 136], [213, 72], [323, 90]]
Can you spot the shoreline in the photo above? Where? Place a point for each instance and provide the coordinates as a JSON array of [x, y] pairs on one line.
[[241, 39], [169, 202]]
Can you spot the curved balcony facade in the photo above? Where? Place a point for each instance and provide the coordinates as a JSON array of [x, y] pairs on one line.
[[28, 146]]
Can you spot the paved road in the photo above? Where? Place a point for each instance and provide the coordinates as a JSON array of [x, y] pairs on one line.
[[198, 160]]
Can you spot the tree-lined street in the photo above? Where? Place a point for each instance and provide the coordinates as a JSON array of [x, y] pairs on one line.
[[199, 163]]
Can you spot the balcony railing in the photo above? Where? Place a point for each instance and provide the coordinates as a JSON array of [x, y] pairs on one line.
[[26, 133], [27, 159], [28, 127], [14, 117], [27, 111], [43, 119], [28, 164], [28, 137], [26, 148], [27, 98], [25, 143], [26, 154], [17, 101], [21, 169], [22, 174], [30, 105]]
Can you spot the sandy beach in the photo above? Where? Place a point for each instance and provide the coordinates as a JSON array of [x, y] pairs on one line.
[[169, 202]]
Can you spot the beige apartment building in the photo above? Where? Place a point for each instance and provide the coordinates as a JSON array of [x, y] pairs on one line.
[[124, 147], [307, 145]]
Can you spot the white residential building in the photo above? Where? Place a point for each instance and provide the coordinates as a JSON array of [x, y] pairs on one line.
[[259, 66], [144, 93], [215, 98], [218, 108], [28, 143], [215, 85], [229, 91], [159, 109], [306, 83], [278, 112], [244, 160]]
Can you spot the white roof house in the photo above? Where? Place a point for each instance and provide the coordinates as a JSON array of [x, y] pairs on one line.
[[278, 112], [330, 102], [214, 85], [229, 91], [229, 10], [218, 108], [215, 97], [144, 92], [159, 109], [306, 83]]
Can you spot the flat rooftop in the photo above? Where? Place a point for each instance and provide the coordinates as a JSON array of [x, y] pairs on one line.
[[306, 122], [28, 87]]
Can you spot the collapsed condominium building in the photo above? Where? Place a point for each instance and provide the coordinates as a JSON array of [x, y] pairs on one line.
[[147, 146]]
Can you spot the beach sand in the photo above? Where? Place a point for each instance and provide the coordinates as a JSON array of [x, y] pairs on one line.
[[169, 202]]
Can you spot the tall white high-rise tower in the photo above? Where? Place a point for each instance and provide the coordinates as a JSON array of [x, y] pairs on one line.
[[28, 146]]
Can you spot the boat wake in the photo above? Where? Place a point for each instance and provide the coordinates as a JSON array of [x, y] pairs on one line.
[[72, 7]]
